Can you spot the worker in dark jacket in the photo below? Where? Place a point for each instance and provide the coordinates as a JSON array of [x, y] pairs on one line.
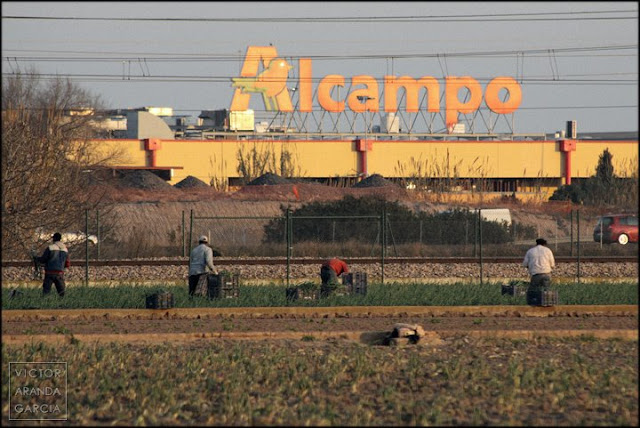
[[55, 260], [331, 270]]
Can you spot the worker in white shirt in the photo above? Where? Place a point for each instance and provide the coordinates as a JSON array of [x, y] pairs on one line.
[[539, 261]]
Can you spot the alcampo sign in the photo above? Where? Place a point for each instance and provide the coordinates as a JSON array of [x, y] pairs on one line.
[[271, 83]]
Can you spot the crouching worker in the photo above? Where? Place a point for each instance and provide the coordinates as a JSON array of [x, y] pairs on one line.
[[200, 263], [539, 261], [331, 270], [55, 260]]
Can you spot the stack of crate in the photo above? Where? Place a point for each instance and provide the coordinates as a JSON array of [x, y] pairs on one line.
[[356, 282], [223, 286], [515, 288], [160, 300]]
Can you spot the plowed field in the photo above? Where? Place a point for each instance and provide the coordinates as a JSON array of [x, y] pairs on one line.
[[357, 323], [309, 366]]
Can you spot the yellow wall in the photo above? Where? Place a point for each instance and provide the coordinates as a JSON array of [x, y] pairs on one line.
[[465, 159], [218, 159], [624, 157]]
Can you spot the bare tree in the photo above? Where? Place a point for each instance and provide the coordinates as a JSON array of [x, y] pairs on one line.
[[47, 126]]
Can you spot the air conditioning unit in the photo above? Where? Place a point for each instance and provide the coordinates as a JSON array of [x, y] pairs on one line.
[[572, 129], [458, 128], [392, 124]]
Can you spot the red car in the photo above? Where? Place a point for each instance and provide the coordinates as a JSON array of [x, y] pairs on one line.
[[620, 228]]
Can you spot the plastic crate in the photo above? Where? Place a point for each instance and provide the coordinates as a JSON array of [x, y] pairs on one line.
[[542, 297], [515, 289], [356, 282], [202, 286], [223, 286], [161, 300]]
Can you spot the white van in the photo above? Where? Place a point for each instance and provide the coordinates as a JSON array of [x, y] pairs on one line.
[[69, 238], [498, 215]]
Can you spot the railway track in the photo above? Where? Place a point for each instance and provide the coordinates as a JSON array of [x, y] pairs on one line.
[[237, 261]]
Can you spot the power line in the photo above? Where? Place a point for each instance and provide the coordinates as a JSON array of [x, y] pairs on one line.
[[235, 57], [510, 17], [225, 78]]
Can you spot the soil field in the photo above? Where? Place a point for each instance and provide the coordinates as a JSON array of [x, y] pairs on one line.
[[363, 324], [328, 366]]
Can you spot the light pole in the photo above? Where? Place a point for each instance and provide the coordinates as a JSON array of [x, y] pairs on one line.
[[363, 147]]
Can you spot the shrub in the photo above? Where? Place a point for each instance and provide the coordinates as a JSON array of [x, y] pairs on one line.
[[604, 188], [458, 226]]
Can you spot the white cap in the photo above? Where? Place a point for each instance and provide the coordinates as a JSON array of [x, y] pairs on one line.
[[203, 238]]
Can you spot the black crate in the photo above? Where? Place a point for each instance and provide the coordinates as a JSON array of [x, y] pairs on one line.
[[299, 293], [202, 288], [162, 300], [542, 297], [549, 298], [517, 289], [223, 286], [356, 282]]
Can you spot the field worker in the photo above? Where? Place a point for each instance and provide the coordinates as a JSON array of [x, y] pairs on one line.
[[331, 270], [55, 260], [539, 261], [200, 262]]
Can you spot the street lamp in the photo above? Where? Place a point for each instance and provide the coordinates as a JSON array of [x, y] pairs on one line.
[[364, 99]]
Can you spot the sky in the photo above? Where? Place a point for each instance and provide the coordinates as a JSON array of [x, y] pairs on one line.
[[573, 60]]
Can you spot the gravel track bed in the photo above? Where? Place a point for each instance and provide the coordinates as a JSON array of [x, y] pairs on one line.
[[401, 271]]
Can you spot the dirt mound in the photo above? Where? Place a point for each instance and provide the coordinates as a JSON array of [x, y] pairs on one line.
[[191, 182], [139, 179], [375, 180], [268, 179], [312, 192]]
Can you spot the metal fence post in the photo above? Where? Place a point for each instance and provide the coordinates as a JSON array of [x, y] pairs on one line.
[[384, 238], [288, 241], [183, 234], [475, 239], [578, 221], [191, 230], [98, 233], [466, 234], [480, 233], [86, 247], [571, 237]]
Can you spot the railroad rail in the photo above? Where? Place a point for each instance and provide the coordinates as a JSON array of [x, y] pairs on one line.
[[236, 261]]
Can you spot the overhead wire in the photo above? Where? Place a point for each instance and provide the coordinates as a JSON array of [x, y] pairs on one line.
[[212, 57], [568, 79], [494, 17]]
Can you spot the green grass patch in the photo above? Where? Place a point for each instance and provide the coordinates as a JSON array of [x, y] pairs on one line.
[[390, 294]]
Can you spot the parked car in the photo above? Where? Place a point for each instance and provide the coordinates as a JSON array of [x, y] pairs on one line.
[[69, 238], [620, 228]]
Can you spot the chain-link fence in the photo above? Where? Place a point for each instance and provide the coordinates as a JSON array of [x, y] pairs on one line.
[[377, 237]]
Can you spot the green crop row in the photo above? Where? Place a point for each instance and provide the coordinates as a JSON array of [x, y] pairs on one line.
[[389, 294], [495, 382]]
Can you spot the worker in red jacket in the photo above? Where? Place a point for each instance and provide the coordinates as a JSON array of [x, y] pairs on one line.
[[331, 270]]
